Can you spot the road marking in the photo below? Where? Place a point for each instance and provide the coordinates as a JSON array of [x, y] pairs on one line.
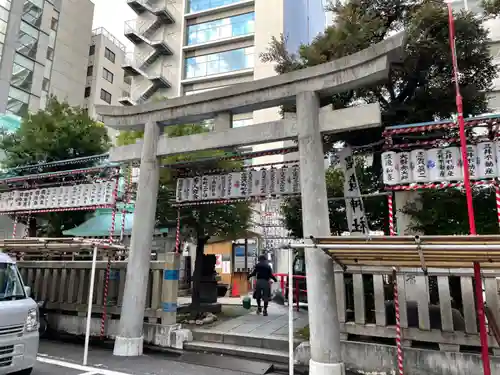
[[87, 370]]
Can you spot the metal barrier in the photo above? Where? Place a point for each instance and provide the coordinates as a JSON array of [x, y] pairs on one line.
[[297, 291]]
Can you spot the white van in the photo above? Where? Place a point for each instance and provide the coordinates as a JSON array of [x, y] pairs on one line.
[[18, 321]]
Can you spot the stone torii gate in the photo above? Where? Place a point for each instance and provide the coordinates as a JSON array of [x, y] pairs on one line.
[[305, 88]]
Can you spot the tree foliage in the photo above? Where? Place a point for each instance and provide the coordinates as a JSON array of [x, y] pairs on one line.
[[56, 133], [229, 220], [444, 212], [375, 207], [418, 89], [202, 222]]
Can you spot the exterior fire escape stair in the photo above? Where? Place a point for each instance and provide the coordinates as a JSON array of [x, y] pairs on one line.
[[141, 6]]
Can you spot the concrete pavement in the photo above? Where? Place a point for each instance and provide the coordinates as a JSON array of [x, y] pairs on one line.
[[57, 358]]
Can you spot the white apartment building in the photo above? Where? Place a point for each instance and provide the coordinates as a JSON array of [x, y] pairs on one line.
[[43, 50], [106, 82], [44, 46]]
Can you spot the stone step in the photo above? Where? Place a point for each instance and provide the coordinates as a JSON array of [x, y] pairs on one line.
[[268, 355], [242, 340]]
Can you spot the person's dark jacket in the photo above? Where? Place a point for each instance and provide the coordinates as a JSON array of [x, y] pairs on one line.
[[263, 271]]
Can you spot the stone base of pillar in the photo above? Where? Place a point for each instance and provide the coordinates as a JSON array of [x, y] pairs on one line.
[[128, 347], [318, 368], [172, 336]]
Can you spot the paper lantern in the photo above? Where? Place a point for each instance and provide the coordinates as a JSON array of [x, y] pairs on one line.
[[497, 156], [282, 180], [244, 183], [453, 164], [418, 160], [295, 179], [435, 164], [223, 186], [288, 180], [256, 181], [204, 188], [178, 190], [403, 162], [195, 189], [187, 191], [214, 186], [486, 160], [264, 182], [273, 181], [390, 175], [234, 185], [472, 160]]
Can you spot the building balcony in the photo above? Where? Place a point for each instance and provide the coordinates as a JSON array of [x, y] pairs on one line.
[[165, 11]]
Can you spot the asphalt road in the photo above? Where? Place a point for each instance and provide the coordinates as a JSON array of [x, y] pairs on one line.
[[57, 358]]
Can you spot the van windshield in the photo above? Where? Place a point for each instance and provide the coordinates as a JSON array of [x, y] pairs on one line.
[[11, 287]]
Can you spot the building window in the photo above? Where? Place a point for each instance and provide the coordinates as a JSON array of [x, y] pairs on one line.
[[110, 55], [22, 72], [45, 84], [53, 23], [5, 4], [242, 122], [92, 50], [32, 13], [17, 102], [28, 40], [127, 80], [217, 63], [87, 92], [200, 5], [4, 13], [107, 75], [90, 70], [106, 96], [50, 53], [221, 29]]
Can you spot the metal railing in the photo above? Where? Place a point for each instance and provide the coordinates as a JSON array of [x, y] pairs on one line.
[[111, 37], [137, 27]]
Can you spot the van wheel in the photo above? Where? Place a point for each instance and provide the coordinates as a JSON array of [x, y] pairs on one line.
[[26, 371]]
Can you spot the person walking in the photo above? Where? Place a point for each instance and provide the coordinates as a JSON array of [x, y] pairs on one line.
[[264, 273]]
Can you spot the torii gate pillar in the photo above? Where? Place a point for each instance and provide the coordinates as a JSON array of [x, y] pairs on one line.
[[325, 348], [129, 341]]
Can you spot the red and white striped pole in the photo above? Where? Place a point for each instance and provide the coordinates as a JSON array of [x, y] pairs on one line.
[[14, 229], [497, 201], [178, 232], [108, 265], [391, 215], [399, 343], [483, 334], [126, 200]]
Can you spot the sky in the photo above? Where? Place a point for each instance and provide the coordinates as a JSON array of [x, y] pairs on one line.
[[112, 14]]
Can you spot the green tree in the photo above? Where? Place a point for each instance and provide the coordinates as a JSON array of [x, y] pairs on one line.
[[375, 207], [56, 133], [444, 212], [419, 88], [199, 223]]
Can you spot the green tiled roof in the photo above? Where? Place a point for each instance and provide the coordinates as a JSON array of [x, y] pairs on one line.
[[100, 224]]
